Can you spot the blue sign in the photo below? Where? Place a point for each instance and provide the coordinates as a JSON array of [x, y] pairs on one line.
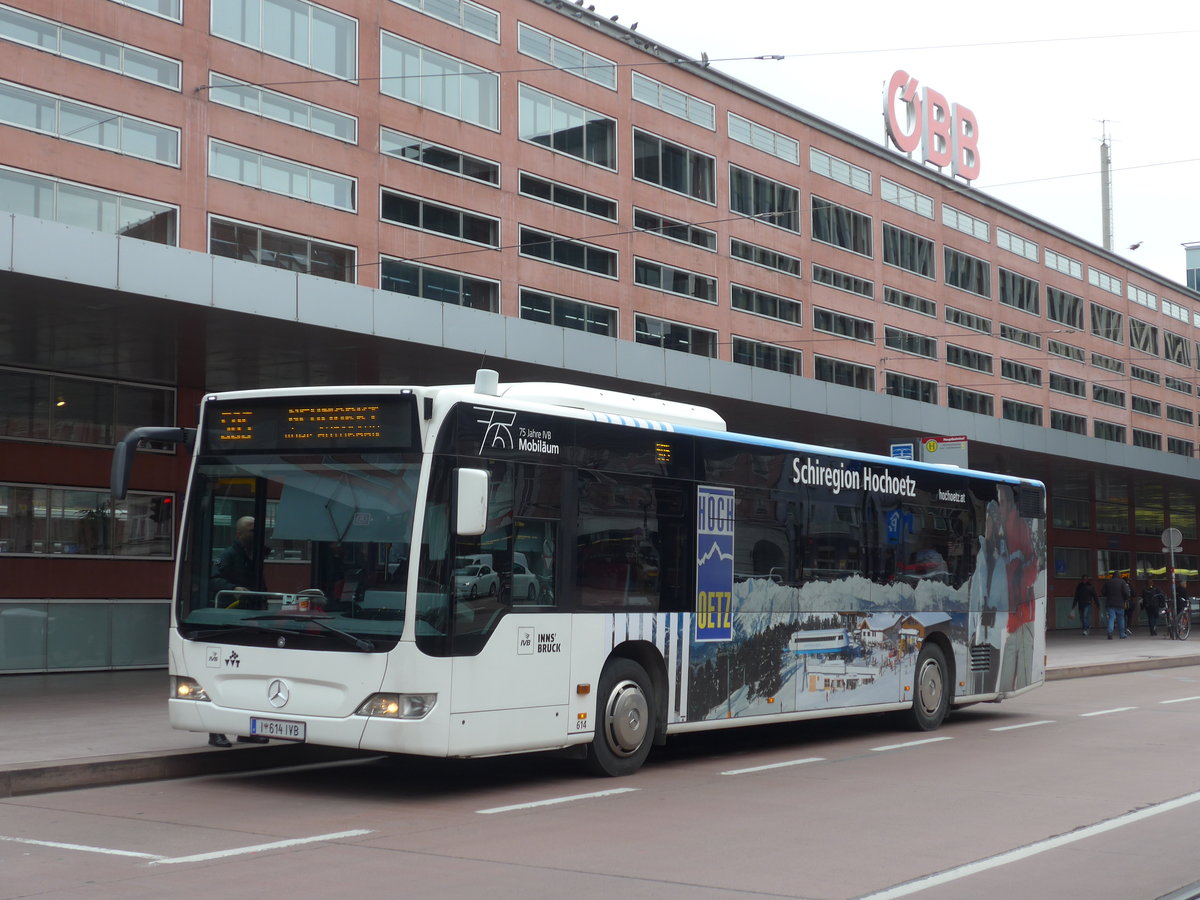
[[902, 451], [714, 563]]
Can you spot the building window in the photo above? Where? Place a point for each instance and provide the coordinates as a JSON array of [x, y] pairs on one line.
[[970, 401], [259, 101], [1062, 421], [62, 409], [830, 322], [905, 300], [1143, 336], [1178, 384], [84, 522], [1108, 431], [1100, 361], [1020, 336], [769, 305], [967, 273], [433, 80], [839, 170], [437, 218], [765, 257], [1064, 308], [1106, 323], [82, 123], [1143, 374], [766, 356], [1180, 447], [843, 281], [1021, 412], [435, 156], [838, 371], [280, 176], [439, 284], [87, 48], [841, 226], [167, 9], [1172, 309], [906, 198], [964, 319], [556, 52], [1143, 297], [1146, 406], [675, 336], [911, 388], [566, 312], [27, 194], [673, 280], [1019, 292], [462, 14], [1006, 240], [1104, 281], [295, 253], [674, 101], [907, 342], [1072, 563], [1063, 264], [675, 230], [567, 252], [765, 139], [1015, 371], [672, 166], [761, 198], [1110, 396], [906, 250], [571, 197], [566, 127], [967, 224], [1066, 351], [296, 30], [1147, 439], [969, 359], [1065, 384]]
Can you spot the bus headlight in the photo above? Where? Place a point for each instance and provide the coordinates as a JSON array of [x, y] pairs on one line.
[[184, 688], [398, 706]]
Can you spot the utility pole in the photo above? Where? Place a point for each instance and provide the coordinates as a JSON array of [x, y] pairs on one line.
[[1106, 210]]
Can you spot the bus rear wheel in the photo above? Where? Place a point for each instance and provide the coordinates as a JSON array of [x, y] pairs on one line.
[[931, 694], [625, 720]]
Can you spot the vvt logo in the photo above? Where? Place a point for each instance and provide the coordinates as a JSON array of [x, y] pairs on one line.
[[233, 659], [497, 432]]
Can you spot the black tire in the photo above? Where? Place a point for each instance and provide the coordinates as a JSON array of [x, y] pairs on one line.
[[492, 589], [1185, 625], [625, 720], [931, 690]]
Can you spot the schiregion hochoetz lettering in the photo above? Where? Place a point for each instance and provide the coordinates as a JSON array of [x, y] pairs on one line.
[[814, 473]]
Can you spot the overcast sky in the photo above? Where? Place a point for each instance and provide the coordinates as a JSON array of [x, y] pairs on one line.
[[1040, 76]]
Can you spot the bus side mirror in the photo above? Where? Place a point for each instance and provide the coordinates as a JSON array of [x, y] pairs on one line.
[[122, 464], [471, 489]]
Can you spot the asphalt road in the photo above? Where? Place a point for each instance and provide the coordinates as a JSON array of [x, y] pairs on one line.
[[1083, 788]]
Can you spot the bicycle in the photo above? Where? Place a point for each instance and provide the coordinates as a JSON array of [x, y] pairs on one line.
[[1179, 626]]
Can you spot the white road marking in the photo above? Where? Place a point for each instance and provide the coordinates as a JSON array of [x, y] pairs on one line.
[[910, 744], [782, 765], [82, 847], [1179, 700], [1062, 840], [554, 800], [1105, 712], [259, 848], [1024, 725]]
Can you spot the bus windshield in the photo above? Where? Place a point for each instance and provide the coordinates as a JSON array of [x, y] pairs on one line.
[[311, 550]]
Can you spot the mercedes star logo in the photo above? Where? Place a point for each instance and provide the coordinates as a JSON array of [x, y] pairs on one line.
[[277, 693]]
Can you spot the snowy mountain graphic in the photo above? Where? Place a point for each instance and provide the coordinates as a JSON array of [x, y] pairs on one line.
[[714, 550]]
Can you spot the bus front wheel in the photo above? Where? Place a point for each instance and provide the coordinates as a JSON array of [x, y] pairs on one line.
[[931, 683], [625, 720]]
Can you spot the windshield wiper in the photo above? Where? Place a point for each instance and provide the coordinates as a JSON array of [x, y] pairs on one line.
[[353, 640], [232, 629]]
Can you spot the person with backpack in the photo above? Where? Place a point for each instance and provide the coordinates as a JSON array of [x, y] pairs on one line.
[[1117, 595], [1154, 602], [1085, 597]]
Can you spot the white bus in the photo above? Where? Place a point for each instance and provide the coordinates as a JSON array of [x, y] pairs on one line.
[[482, 569]]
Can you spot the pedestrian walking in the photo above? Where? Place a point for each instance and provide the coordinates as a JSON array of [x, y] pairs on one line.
[[1085, 598], [1117, 594], [1154, 602]]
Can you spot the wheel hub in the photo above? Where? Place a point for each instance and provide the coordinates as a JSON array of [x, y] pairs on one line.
[[626, 718]]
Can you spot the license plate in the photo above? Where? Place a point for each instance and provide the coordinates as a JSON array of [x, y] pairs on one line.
[[278, 729]]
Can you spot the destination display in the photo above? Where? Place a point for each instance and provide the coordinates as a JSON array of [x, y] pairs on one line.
[[310, 423]]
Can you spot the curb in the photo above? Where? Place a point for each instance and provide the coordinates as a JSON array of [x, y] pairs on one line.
[[102, 771], [1084, 670]]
